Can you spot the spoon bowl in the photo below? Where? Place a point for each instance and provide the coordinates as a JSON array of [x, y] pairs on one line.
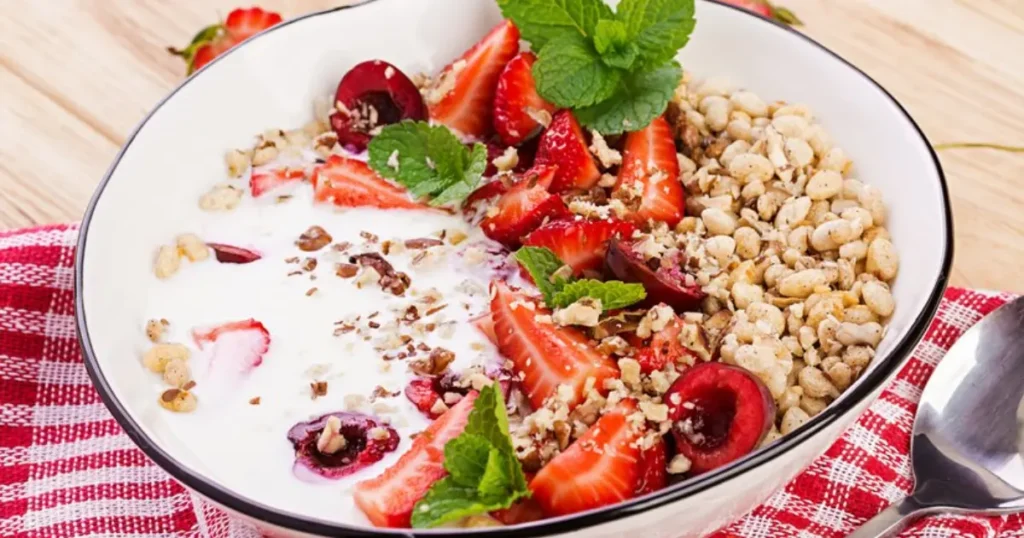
[[967, 448]]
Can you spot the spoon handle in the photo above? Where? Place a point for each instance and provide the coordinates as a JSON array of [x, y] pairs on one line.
[[891, 521]]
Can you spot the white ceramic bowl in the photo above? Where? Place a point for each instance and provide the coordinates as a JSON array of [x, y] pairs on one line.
[[271, 80]]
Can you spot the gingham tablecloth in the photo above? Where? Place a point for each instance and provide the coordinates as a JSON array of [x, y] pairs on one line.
[[68, 470]]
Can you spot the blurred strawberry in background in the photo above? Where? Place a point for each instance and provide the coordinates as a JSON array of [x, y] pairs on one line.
[[214, 40], [768, 10]]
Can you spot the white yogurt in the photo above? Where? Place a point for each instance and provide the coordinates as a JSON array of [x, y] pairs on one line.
[[243, 446]]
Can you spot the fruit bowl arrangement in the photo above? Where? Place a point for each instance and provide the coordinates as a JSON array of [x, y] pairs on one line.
[[673, 291]]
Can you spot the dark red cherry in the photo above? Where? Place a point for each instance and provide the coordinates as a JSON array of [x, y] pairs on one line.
[[373, 94], [366, 441]]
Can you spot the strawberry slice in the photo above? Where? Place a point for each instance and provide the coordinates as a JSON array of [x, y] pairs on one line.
[[517, 103], [545, 355], [581, 244], [388, 499], [650, 161], [216, 39], [421, 393], [563, 144], [352, 183], [601, 468], [653, 469], [264, 181], [485, 324], [525, 206], [237, 346], [664, 348], [473, 80]]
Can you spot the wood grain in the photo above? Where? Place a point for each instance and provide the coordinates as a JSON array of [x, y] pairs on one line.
[[78, 75]]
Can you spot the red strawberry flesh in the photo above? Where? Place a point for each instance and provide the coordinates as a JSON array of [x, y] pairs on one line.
[[517, 103], [525, 206], [581, 244], [668, 283], [232, 254], [236, 347], [545, 355], [653, 469], [471, 82], [388, 499], [564, 145], [650, 165], [719, 413], [244, 23], [360, 449], [263, 181], [373, 94], [349, 182], [601, 468]]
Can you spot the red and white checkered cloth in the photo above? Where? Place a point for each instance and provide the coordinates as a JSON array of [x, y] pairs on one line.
[[68, 470]]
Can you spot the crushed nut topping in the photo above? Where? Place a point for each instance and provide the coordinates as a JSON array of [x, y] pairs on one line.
[[313, 239]]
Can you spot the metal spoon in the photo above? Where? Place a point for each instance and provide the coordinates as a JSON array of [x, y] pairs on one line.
[[968, 444]]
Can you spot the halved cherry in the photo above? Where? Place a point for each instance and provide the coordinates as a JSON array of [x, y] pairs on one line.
[[232, 254], [331, 458], [666, 282], [719, 413], [373, 94]]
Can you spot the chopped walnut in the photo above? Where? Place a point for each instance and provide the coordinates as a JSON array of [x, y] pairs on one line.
[[331, 440], [390, 280], [317, 389], [346, 270], [178, 400], [433, 364], [313, 239], [158, 356], [221, 198], [585, 312]]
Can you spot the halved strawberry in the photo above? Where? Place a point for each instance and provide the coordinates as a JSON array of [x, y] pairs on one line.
[[545, 355], [491, 189], [517, 103], [238, 346], [214, 40], [563, 144], [352, 183], [581, 244], [601, 468], [525, 206], [664, 348], [650, 161], [264, 181], [653, 468], [485, 324], [473, 79], [388, 499], [421, 393]]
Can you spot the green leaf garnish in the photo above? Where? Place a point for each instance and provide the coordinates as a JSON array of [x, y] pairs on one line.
[[559, 292], [540, 21], [541, 263], [638, 101], [613, 294], [617, 71], [483, 472], [428, 160]]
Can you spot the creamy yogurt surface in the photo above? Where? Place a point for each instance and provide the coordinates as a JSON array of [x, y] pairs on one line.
[[241, 443]]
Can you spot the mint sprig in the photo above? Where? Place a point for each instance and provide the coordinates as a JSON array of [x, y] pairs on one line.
[[617, 70], [428, 160], [483, 472], [560, 292]]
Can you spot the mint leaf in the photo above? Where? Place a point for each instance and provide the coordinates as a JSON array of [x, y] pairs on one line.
[[447, 501], [658, 27], [540, 21], [641, 98], [465, 458], [569, 73], [427, 160], [611, 39], [483, 472], [541, 263], [613, 294]]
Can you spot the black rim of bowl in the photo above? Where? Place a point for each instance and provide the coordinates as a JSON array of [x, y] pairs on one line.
[[259, 511]]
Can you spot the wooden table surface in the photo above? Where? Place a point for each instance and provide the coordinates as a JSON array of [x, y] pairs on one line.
[[79, 74]]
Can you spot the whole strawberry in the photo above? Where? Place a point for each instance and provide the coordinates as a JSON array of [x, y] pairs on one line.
[[768, 10], [216, 39]]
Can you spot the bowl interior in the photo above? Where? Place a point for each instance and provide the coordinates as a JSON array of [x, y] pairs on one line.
[[272, 81]]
